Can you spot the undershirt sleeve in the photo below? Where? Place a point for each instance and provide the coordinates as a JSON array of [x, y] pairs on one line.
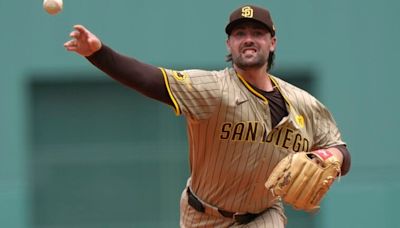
[[346, 159], [144, 78]]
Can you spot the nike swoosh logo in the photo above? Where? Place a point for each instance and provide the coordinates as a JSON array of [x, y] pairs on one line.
[[239, 102]]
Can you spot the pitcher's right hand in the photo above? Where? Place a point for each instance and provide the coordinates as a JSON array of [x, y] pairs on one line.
[[83, 41]]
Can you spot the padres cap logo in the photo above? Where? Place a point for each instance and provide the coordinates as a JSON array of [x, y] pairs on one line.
[[247, 12], [250, 12]]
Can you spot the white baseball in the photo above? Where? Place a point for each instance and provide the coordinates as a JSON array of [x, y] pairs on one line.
[[53, 7]]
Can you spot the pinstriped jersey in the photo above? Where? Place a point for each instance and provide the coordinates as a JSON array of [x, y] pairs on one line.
[[232, 146]]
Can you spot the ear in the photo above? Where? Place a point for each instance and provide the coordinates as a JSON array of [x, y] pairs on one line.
[[273, 44], [228, 45]]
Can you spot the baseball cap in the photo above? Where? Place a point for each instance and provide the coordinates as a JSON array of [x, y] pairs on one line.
[[250, 12]]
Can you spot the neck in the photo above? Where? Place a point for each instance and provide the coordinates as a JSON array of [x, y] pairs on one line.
[[258, 77]]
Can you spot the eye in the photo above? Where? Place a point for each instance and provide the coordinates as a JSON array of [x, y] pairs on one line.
[[258, 33], [239, 33]]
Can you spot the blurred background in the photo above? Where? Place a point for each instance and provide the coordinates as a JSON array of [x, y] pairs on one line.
[[77, 149]]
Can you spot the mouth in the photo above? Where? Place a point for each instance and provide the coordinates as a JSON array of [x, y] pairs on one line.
[[247, 50]]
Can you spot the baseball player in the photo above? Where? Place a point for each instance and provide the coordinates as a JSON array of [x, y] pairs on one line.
[[241, 121]]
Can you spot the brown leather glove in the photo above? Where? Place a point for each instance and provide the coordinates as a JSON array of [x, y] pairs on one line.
[[302, 179]]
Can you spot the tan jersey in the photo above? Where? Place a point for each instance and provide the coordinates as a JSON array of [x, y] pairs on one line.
[[232, 146]]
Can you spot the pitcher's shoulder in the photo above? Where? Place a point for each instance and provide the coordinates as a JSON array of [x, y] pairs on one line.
[[204, 73], [289, 88], [297, 96]]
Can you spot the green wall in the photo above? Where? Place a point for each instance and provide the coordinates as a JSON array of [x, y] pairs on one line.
[[351, 47]]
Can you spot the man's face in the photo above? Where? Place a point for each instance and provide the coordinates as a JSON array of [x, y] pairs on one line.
[[250, 44]]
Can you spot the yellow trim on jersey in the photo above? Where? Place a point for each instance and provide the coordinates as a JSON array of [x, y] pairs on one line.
[[177, 109], [251, 89], [280, 90], [298, 118]]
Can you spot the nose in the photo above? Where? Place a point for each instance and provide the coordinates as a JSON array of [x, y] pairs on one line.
[[248, 40]]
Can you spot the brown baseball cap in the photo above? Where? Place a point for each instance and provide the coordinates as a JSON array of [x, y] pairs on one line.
[[250, 12]]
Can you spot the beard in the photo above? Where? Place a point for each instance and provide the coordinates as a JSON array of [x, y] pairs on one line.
[[245, 62]]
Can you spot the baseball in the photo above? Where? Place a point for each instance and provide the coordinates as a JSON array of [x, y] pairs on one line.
[[53, 7]]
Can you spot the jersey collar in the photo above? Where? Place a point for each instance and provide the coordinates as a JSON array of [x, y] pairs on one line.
[[297, 119]]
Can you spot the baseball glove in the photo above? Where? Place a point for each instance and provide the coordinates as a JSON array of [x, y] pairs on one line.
[[302, 179]]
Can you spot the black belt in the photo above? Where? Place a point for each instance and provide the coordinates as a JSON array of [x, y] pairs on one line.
[[239, 218]]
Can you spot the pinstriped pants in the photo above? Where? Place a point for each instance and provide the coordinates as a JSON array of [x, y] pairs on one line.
[[190, 218]]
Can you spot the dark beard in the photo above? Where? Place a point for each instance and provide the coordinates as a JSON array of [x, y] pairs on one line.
[[260, 62]]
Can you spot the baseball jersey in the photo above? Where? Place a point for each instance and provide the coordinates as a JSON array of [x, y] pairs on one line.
[[232, 144]]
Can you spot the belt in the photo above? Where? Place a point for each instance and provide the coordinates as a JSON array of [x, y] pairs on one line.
[[200, 207]]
